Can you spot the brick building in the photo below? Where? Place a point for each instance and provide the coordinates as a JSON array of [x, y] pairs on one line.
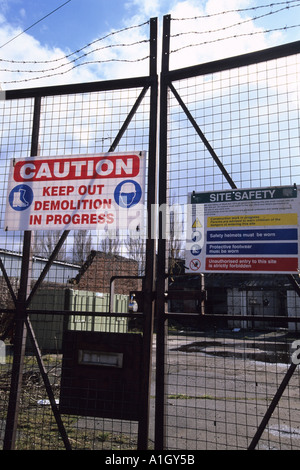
[[96, 273]]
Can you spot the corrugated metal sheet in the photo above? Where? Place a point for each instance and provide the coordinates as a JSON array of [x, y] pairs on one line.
[[60, 272], [48, 328]]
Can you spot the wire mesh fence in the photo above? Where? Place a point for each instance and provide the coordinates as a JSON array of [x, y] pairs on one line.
[[37, 428], [231, 337], [233, 125], [77, 293], [220, 383]]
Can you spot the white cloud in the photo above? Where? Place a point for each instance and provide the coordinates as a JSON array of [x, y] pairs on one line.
[[23, 12], [207, 33], [27, 49], [218, 6], [145, 7], [25, 62], [216, 36]]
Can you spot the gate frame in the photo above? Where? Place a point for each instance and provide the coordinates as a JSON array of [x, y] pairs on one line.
[[166, 78], [25, 295], [155, 279]]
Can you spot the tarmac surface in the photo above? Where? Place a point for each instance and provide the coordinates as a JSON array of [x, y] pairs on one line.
[[219, 385], [218, 388]]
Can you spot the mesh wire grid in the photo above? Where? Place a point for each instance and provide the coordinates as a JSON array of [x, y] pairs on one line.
[[223, 374], [77, 124]]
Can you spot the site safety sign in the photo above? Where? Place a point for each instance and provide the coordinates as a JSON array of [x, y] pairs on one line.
[[244, 231], [76, 192]]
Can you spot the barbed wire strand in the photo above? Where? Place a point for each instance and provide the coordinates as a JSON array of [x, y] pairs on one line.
[[238, 10], [234, 36], [110, 46], [241, 23], [78, 65], [288, 4], [67, 56], [285, 28]]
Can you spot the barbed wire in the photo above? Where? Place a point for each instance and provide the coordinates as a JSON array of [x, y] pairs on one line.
[[235, 36], [238, 10], [110, 46], [240, 23], [66, 67], [67, 56], [69, 65], [91, 62]]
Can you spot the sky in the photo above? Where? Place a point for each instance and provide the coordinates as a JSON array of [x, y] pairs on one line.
[[45, 55]]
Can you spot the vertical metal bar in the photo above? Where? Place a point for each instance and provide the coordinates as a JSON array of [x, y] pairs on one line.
[[148, 283], [20, 334], [161, 259]]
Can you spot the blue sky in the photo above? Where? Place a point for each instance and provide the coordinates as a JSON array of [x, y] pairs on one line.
[[80, 22], [73, 25]]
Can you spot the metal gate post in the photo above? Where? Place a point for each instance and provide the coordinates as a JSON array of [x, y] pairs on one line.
[[20, 315], [148, 283], [161, 321]]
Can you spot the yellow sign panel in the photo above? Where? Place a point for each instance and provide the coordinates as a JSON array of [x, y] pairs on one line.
[[252, 220]]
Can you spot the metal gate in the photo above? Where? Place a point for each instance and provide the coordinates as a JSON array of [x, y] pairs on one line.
[[209, 355], [227, 381], [67, 290]]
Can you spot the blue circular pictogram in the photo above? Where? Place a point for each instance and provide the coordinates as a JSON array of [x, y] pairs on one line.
[[128, 193], [196, 250], [21, 197], [196, 236]]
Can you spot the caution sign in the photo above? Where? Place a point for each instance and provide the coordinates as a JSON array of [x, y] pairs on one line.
[[244, 231], [76, 192]]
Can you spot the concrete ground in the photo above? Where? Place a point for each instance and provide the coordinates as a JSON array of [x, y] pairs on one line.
[[218, 388]]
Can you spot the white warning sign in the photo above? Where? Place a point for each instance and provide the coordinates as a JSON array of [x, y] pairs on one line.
[[253, 230], [76, 192]]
